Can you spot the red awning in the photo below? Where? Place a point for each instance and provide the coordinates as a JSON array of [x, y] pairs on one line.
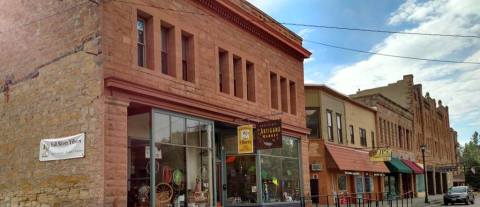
[[350, 159], [412, 165]]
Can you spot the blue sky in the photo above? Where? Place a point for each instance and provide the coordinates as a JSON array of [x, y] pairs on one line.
[[457, 85]]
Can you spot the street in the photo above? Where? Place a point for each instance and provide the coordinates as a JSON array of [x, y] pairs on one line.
[[477, 203]]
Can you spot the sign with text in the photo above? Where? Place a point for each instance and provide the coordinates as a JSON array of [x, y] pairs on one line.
[[380, 155], [269, 134], [245, 139], [62, 148]]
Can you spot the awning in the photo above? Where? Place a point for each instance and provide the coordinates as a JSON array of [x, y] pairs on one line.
[[397, 166], [349, 159], [413, 166]]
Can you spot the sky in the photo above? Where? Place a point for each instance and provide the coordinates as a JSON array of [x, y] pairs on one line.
[[457, 85]]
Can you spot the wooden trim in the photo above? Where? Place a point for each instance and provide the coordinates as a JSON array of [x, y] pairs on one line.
[[164, 100]]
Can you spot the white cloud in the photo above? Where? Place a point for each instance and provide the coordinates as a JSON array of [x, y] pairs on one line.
[[457, 85], [305, 32], [268, 6]]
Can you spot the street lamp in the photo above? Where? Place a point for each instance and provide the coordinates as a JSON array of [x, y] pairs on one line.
[[423, 147]]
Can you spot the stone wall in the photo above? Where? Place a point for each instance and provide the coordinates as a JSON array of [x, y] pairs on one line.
[[51, 86]]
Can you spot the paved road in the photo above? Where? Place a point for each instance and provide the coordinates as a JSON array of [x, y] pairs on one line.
[[477, 203]]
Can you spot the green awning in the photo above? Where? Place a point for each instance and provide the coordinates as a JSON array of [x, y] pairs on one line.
[[395, 165]]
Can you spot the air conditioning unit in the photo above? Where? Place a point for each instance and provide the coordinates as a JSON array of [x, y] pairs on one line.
[[317, 167]]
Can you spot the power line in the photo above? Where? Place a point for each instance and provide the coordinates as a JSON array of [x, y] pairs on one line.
[[317, 26], [390, 55], [379, 31]]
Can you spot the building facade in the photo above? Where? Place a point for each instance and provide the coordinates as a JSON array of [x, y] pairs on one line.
[[395, 127], [430, 126], [342, 134], [166, 79]]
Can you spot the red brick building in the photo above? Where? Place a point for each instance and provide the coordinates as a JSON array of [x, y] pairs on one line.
[[176, 75]]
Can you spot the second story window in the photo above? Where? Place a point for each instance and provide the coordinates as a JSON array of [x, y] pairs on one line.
[[274, 90], [237, 77], [313, 122], [352, 134], [283, 94], [363, 137], [167, 40], [223, 73], [329, 126], [188, 70], [339, 128], [373, 139], [250, 81], [293, 97], [141, 42]]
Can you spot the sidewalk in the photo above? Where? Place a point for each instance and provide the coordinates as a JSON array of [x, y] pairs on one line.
[[434, 201]]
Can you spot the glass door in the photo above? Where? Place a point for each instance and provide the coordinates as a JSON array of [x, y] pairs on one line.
[[359, 186]]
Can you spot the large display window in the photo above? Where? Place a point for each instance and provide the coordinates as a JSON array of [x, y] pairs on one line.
[[280, 172], [181, 169], [266, 176]]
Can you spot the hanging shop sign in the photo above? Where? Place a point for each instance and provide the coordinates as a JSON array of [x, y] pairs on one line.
[[378, 174], [269, 134], [245, 139], [380, 155], [62, 148]]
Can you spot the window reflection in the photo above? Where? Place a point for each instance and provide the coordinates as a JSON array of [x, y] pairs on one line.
[[241, 179], [280, 173]]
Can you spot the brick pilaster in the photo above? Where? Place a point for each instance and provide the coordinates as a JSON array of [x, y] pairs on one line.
[[116, 146]]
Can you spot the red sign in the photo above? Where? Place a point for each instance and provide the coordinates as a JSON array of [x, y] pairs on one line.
[[269, 134]]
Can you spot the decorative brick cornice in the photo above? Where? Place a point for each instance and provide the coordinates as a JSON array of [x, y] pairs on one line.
[[256, 28]]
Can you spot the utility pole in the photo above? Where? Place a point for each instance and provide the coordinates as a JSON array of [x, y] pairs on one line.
[[423, 147]]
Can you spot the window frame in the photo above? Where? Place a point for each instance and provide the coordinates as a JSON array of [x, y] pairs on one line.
[[143, 62], [352, 134], [338, 118], [330, 126], [318, 129]]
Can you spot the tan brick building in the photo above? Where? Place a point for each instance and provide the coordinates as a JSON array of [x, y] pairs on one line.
[[176, 75], [430, 125], [342, 134]]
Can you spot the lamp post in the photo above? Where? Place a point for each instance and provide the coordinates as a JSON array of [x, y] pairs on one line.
[[423, 147]]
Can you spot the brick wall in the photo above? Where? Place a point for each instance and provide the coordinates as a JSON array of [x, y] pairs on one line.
[[54, 90], [210, 33]]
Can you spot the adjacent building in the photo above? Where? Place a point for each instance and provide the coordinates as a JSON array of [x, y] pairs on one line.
[[428, 124], [158, 89], [343, 132]]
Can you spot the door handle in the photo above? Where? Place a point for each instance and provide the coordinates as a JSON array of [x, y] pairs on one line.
[[224, 186]]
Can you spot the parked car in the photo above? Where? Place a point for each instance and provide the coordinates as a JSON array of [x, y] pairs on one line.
[[459, 194]]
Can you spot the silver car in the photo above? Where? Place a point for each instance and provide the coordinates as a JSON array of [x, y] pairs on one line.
[[459, 194]]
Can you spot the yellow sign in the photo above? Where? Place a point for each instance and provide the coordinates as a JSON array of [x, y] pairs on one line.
[[380, 155], [245, 139]]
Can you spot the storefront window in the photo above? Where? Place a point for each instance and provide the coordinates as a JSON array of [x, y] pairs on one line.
[[280, 172], [342, 182], [368, 184], [241, 179], [183, 160], [420, 183]]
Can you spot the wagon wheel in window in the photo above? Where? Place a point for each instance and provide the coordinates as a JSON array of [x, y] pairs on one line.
[[164, 193]]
